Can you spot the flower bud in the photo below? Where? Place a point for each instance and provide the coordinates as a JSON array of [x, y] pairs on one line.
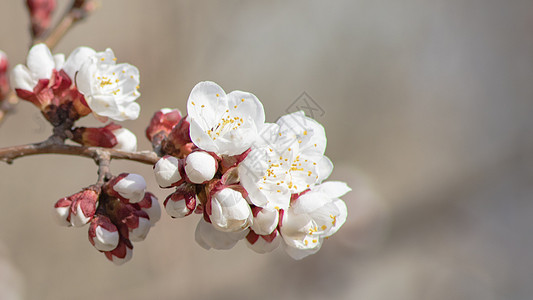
[[103, 234], [129, 187], [263, 243], [229, 211], [139, 230], [162, 123], [40, 15], [83, 206], [150, 205], [4, 78], [181, 203], [200, 167], [62, 211], [265, 220], [126, 140], [167, 171], [122, 253], [110, 136], [179, 135]]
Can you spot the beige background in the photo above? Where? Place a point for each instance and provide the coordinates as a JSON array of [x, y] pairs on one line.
[[428, 110]]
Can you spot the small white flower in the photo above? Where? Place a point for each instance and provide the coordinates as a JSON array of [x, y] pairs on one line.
[[131, 187], [208, 237], [126, 140], [229, 211], [226, 124], [289, 160], [166, 171], [110, 89], [312, 217], [200, 167]]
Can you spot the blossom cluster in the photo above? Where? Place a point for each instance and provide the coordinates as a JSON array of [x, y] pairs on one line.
[[251, 180], [118, 213], [66, 89], [259, 182]]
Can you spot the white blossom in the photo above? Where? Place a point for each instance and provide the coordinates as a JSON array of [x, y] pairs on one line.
[[312, 217], [226, 124], [110, 89], [289, 160]]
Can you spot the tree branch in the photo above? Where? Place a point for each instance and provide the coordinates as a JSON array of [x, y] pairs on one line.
[[78, 11], [8, 154]]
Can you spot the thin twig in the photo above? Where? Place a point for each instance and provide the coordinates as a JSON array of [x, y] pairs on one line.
[[103, 159], [78, 11], [8, 154]]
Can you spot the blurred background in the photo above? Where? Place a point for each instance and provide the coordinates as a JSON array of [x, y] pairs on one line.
[[427, 107]]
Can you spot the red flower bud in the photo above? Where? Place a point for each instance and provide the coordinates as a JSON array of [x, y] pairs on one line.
[[162, 123], [40, 14], [181, 203], [4, 78]]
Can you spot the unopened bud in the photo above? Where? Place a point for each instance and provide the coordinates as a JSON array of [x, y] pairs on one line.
[[263, 243], [122, 253], [130, 187], [140, 231], [4, 78], [265, 220], [200, 167], [180, 134], [126, 140], [229, 211], [83, 206], [110, 136], [162, 123], [40, 14], [151, 206], [181, 203], [167, 171], [103, 234], [62, 211]]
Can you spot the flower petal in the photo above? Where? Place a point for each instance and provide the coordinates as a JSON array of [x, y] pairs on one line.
[[76, 59], [40, 62], [22, 79]]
